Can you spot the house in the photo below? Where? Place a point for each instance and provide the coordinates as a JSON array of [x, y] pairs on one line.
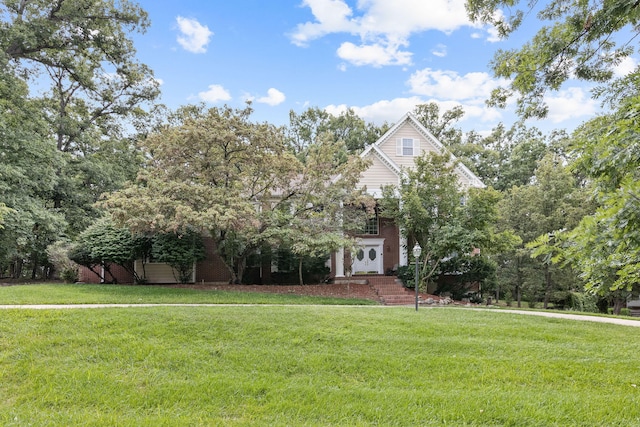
[[381, 247]]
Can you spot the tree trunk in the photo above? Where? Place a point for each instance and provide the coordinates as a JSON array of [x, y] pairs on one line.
[[518, 282], [617, 305], [34, 266], [17, 268], [300, 272], [547, 288]]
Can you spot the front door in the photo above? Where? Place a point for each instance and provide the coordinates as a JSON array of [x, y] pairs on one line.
[[368, 258]]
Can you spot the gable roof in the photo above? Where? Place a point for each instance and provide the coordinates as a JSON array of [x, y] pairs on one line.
[[411, 119]]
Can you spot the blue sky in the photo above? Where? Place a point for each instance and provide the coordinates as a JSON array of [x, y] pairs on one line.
[[379, 57]]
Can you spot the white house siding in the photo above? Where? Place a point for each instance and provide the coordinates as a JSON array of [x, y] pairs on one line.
[[377, 176], [405, 131], [156, 272], [463, 180]]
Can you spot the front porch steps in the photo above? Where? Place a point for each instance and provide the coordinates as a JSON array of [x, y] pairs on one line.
[[389, 289]]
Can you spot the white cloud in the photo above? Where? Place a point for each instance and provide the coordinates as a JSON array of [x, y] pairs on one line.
[[384, 27], [391, 110], [274, 97], [194, 36], [440, 51], [374, 54], [626, 66], [571, 103], [494, 35], [216, 93], [444, 84]]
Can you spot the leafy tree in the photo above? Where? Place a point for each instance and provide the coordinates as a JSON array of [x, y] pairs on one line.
[[180, 251], [104, 244], [441, 125], [65, 145], [242, 182], [427, 206], [309, 126], [606, 245], [583, 40], [58, 254], [27, 178], [551, 202], [325, 215]]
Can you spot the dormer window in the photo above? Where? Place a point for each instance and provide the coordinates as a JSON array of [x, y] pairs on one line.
[[408, 147]]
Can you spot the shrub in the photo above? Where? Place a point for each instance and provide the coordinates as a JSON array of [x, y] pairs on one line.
[[580, 301], [407, 275], [58, 254]]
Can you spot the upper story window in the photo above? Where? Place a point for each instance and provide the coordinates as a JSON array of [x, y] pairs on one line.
[[408, 147], [371, 226]]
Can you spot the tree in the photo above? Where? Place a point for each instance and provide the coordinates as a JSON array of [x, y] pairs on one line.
[[584, 40], [69, 138], [606, 244], [441, 125], [552, 202], [427, 206], [104, 244], [27, 179], [180, 251], [308, 127], [241, 184]]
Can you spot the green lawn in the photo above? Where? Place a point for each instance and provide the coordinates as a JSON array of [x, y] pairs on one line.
[[314, 365], [129, 294]]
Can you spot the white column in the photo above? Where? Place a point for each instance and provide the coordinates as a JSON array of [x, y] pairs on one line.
[[340, 263], [404, 252], [340, 254]]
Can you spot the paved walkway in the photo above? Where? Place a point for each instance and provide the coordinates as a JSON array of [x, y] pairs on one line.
[[611, 320], [587, 318]]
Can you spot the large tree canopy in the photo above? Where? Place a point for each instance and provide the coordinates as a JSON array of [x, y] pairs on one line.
[[216, 171], [428, 207], [583, 39], [70, 90]]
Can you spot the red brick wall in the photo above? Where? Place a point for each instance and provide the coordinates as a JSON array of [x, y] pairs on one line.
[[389, 231], [119, 273], [211, 269]]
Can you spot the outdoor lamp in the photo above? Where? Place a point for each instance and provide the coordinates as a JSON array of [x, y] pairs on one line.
[[417, 250]]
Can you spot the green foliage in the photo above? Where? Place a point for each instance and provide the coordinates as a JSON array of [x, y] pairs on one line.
[[583, 40], [306, 128], [58, 255], [63, 145], [581, 301], [459, 275], [605, 246], [243, 186], [180, 251], [406, 273], [104, 243], [427, 206]]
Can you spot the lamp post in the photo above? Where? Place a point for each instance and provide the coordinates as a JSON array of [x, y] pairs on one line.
[[417, 250]]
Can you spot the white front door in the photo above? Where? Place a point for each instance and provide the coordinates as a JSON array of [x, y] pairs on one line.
[[368, 258]]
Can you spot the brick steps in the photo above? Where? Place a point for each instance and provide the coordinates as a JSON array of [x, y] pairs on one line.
[[391, 291]]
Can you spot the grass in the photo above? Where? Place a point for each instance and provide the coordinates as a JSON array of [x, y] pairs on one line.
[[128, 294], [314, 365]]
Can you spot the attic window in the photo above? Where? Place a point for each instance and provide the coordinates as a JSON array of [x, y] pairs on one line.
[[408, 147]]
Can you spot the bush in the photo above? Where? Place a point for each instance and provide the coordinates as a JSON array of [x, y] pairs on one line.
[[58, 254], [580, 301], [407, 275]]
